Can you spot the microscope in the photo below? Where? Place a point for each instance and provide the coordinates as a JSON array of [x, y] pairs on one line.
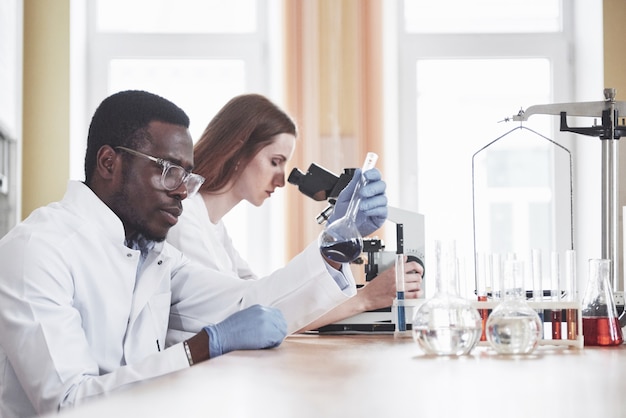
[[321, 184]]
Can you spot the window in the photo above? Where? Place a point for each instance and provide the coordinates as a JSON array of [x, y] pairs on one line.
[[482, 16], [198, 54], [462, 72]]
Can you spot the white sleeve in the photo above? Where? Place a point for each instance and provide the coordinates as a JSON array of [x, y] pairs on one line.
[[303, 290]]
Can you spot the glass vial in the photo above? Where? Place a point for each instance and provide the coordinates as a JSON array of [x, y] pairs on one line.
[[513, 327], [600, 321], [446, 324]]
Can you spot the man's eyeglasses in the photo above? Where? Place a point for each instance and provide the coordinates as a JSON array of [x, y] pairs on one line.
[[173, 175]]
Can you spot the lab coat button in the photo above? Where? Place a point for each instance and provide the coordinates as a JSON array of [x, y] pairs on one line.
[[129, 255], [160, 262]]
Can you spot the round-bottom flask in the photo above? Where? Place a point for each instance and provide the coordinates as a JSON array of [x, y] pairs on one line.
[[341, 241], [513, 327], [446, 324]]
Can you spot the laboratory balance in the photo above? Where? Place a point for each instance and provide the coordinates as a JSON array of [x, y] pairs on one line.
[[609, 131]]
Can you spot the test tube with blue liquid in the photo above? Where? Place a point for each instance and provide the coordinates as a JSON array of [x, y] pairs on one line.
[[401, 324]]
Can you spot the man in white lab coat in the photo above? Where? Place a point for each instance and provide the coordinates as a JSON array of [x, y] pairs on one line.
[[87, 284]]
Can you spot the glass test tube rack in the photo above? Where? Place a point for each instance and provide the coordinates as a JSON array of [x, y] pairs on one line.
[[562, 321]]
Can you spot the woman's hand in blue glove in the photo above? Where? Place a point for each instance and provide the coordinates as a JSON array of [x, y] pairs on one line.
[[372, 211]]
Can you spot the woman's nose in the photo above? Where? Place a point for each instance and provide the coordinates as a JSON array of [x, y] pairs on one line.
[[280, 180]]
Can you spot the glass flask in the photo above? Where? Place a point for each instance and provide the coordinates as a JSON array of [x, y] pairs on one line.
[[446, 324], [513, 327], [341, 241], [600, 321]]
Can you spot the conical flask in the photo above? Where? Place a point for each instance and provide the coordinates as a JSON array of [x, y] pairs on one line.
[[513, 327], [341, 241], [600, 321], [446, 324]]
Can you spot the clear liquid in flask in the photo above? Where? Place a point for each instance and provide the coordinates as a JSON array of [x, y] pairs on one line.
[[513, 327], [447, 340], [514, 334]]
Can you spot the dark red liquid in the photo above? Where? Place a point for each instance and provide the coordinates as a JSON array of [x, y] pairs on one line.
[[484, 315], [342, 252], [557, 317], [602, 331], [572, 323]]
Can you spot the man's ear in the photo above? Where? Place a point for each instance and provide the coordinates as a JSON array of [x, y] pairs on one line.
[[106, 162]]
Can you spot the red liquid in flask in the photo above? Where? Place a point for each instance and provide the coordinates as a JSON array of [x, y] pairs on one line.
[[602, 331]]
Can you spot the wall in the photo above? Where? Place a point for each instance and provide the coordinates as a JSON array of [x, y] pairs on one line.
[[614, 16], [46, 89]]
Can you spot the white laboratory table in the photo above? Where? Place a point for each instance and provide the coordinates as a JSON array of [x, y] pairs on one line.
[[380, 376]]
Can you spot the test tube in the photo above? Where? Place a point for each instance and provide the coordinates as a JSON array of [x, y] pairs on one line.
[[496, 276], [461, 274], [481, 291], [528, 289], [537, 281], [400, 277], [557, 315], [571, 295], [489, 274]]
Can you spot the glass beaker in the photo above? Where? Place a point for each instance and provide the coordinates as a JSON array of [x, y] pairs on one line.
[[600, 321], [513, 327], [446, 324], [341, 241]]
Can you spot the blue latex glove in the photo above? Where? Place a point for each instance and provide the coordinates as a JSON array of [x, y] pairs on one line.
[[252, 328], [372, 211]]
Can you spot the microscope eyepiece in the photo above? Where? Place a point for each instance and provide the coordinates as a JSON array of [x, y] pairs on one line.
[[317, 183]]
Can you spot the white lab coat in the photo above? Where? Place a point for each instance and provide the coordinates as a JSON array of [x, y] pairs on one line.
[[207, 243], [77, 320], [210, 245]]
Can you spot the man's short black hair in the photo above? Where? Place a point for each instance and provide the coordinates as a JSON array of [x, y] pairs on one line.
[[122, 119]]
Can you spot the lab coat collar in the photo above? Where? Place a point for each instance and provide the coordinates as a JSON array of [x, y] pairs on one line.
[[81, 198]]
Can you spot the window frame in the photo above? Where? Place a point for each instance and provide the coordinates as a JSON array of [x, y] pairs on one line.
[[260, 52], [570, 52]]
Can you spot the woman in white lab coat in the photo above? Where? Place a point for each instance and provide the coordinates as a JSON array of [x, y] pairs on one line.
[[242, 154]]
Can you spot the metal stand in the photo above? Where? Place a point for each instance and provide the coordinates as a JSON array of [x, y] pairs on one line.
[[609, 132]]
